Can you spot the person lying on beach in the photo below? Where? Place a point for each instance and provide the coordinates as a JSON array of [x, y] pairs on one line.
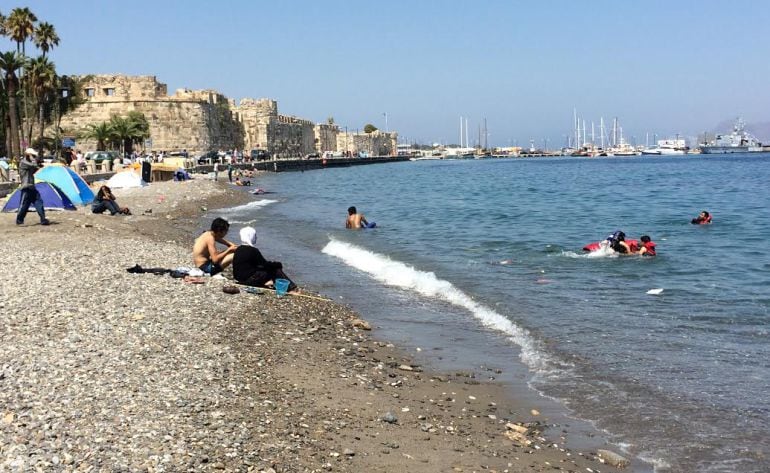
[[356, 220], [205, 254], [239, 182], [251, 268], [703, 219], [105, 200]]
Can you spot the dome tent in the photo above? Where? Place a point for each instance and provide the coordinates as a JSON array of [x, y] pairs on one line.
[[125, 179], [53, 198], [68, 182]]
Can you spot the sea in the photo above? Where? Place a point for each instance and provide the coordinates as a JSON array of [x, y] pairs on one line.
[[478, 264]]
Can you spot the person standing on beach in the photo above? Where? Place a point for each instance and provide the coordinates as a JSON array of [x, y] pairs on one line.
[[28, 166], [205, 254], [230, 172], [216, 171]]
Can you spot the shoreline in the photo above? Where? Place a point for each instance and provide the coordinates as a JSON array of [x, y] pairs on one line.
[[161, 374]]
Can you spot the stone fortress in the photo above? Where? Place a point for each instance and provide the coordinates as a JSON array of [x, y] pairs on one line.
[[204, 120]]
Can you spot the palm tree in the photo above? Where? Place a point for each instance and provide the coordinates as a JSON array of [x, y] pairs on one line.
[[21, 25], [42, 82], [45, 37], [10, 62], [129, 130], [101, 132]]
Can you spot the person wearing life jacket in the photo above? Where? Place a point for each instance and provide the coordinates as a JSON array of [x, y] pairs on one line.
[[648, 246], [618, 243], [703, 219]]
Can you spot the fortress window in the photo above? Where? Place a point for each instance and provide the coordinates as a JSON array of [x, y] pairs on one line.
[[89, 92], [109, 91]]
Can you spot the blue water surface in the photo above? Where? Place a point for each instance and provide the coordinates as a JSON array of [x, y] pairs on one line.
[[680, 378]]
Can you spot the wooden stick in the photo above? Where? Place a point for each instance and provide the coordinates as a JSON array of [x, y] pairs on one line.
[[296, 294]]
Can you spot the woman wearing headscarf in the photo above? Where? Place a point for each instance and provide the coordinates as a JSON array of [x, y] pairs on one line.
[[251, 268]]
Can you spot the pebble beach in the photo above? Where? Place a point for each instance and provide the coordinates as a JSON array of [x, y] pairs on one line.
[[102, 370]]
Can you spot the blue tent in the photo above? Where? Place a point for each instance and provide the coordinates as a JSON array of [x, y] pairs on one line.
[[53, 198], [68, 182]]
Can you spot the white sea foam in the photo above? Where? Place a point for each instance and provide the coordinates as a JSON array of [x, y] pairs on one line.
[[604, 251], [396, 273], [250, 206]]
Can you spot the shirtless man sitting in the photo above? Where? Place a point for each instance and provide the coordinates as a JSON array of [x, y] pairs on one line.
[[205, 254], [355, 219]]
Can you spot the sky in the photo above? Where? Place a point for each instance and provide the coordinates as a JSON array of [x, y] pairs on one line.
[[660, 67]]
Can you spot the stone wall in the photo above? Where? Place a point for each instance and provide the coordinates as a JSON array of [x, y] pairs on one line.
[[376, 143], [202, 120], [197, 121], [256, 115], [326, 137], [290, 137]]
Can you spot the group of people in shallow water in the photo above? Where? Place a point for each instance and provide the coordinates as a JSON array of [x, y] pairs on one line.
[[250, 267], [617, 241], [644, 246]]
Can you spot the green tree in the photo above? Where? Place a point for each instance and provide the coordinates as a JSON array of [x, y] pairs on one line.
[[129, 130], [43, 84], [45, 37], [101, 132], [20, 26], [10, 62], [369, 128]]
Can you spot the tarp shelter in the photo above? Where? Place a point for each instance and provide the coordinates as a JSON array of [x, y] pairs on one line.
[[125, 179], [53, 198], [68, 182]]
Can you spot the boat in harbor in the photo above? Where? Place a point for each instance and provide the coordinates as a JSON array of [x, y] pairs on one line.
[[737, 141], [674, 147]]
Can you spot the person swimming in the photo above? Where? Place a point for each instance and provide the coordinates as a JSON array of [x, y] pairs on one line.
[[703, 219], [648, 246], [617, 241], [356, 220]]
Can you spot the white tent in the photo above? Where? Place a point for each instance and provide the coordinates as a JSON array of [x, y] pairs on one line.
[[125, 179]]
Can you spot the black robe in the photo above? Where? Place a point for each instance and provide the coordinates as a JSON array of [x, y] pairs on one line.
[[252, 269]]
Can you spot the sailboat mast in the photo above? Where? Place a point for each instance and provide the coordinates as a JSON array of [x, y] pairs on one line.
[[461, 131], [576, 126], [601, 130], [467, 138]]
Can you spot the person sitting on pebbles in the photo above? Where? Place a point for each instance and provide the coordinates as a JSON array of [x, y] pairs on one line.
[[105, 200], [252, 269], [205, 254]]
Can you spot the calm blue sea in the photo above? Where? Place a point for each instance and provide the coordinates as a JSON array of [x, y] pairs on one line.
[[480, 262]]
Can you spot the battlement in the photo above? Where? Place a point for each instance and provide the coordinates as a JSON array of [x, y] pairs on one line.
[[112, 87]]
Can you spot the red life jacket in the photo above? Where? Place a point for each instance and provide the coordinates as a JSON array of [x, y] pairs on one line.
[[650, 248]]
